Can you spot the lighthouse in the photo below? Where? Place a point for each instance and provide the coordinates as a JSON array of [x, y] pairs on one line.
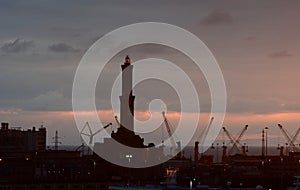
[[127, 99], [125, 133]]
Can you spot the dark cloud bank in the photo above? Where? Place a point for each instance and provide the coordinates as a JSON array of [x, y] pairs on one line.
[[17, 46]]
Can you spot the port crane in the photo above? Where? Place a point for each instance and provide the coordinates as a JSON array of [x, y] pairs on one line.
[[202, 137], [91, 134], [295, 136], [204, 133], [235, 141], [291, 139], [167, 124]]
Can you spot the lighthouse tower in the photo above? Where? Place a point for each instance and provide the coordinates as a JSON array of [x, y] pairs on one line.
[[127, 99], [125, 133]]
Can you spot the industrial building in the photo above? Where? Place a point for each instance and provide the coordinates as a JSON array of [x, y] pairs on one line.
[[17, 140]]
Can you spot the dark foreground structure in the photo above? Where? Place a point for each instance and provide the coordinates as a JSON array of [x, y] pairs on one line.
[[61, 169]]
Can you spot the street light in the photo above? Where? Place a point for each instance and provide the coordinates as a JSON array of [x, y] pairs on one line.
[[266, 129], [129, 156]]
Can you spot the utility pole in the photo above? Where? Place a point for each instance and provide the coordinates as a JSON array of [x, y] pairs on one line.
[[263, 143], [266, 128], [56, 141]]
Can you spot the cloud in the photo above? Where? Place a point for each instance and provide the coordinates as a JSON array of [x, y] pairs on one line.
[[62, 47], [17, 46], [217, 17], [49, 101], [280, 54]]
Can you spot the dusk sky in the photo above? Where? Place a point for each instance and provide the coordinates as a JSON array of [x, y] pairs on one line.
[[256, 44]]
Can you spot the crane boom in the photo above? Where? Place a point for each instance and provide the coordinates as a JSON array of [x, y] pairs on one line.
[[205, 131], [235, 141], [204, 134], [241, 134], [296, 135], [288, 138], [229, 135], [116, 118], [169, 130], [93, 134], [90, 135]]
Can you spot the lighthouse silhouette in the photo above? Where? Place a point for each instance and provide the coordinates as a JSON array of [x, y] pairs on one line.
[[127, 99], [125, 133]]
